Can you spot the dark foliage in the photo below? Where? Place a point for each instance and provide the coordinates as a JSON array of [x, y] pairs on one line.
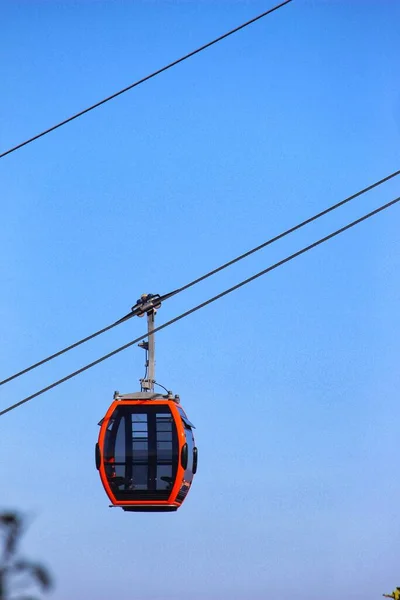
[[18, 575]]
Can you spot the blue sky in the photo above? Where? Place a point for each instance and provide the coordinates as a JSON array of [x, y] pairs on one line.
[[292, 381]]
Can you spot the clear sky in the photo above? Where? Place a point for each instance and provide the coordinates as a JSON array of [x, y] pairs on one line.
[[292, 382]]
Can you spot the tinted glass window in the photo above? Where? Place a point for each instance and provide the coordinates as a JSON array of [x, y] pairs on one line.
[[119, 452], [141, 452], [184, 418], [165, 451], [190, 443]]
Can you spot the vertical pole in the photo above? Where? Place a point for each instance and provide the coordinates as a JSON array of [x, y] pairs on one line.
[[152, 347]]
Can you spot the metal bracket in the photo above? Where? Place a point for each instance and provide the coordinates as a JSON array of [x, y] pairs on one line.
[[146, 303]]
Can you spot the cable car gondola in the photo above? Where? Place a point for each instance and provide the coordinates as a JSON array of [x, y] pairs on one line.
[[146, 454]]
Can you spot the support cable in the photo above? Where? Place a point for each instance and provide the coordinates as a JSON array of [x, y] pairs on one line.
[[204, 304], [140, 81], [209, 274], [60, 352], [287, 232]]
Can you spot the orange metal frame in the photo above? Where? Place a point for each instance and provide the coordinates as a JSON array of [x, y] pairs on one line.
[[181, 441]]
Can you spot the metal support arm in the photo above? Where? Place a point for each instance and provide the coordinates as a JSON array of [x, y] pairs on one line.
[[148, 304]]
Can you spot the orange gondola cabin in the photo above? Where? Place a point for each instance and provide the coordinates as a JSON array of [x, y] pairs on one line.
[[146, 453]]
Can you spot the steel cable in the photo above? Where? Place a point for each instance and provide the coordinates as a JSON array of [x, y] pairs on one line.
[[204, 304], [209, 274], [140, 81]]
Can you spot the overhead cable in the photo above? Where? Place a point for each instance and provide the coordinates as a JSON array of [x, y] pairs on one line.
[[140, 81], [75, 345], [288, 231], [204, 304], [209, 274]]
